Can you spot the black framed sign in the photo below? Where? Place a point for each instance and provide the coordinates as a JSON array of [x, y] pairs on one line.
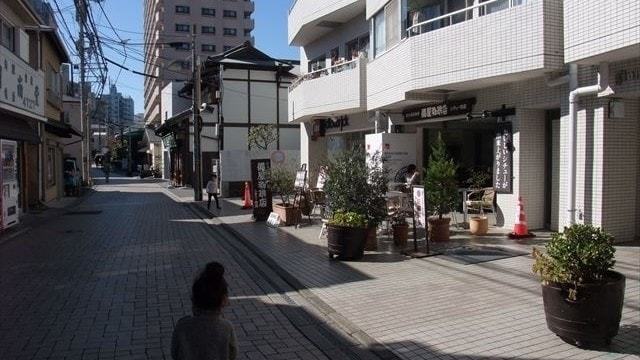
[[434, 111], [503, 158], [262, 197]]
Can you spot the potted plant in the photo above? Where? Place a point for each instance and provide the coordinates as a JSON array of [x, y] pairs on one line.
[[346, 232], [357, 183], [441, 190], [478, 180], [582, 296], [399, 225], [282, 179]]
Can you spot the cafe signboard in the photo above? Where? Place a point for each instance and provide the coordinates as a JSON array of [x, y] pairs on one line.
[[439, 110], [262, 197], [503, 159], [21, 86]]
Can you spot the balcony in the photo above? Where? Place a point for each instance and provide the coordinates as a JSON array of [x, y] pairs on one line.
[[311, 19], [601, 30], [338, 90], [488, 44], [22, 85]]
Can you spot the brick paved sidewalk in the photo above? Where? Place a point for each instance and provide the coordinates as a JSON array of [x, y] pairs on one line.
[[109, 280], [434, 308]]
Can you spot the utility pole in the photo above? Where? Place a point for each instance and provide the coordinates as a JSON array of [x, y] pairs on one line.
[[81, 15], [197, 120], [129, 157]]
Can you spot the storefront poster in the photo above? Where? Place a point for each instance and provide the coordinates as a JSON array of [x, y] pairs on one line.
[[262, 197], [503, 159], [419, 207]]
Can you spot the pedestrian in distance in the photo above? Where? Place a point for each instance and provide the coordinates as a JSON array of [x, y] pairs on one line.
[[212, 190], [206, 334], [106, 165]]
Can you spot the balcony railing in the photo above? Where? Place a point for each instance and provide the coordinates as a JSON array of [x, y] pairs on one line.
[[458, 16], [338, 67]]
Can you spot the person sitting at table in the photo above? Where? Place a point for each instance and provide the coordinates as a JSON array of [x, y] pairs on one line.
[[411, 177]]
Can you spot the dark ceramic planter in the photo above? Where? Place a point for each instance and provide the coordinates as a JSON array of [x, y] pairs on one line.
[[346, 243], [593, 319]]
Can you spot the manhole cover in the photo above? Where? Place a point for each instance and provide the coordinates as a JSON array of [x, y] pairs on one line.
[[84, 212]]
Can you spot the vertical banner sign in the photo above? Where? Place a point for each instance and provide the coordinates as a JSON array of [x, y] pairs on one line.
[[419, 215], [262, 198], [503, 159]]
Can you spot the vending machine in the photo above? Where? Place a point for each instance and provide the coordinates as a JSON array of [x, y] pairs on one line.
[[9, 196]]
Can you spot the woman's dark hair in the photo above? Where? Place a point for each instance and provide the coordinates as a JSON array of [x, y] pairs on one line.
[[209, 288], [411, 168]]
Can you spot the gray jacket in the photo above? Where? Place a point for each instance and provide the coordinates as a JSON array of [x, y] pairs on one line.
[[204, 336]]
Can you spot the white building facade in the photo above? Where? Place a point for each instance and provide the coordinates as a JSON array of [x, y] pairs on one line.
[[468, 68]]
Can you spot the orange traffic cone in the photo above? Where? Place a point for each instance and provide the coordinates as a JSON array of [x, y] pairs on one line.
[[520, 229], [247, 196]]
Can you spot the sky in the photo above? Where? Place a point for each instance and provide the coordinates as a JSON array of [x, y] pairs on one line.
[[270, 34]]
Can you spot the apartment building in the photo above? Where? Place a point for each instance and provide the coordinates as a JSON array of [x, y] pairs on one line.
[[543, 95], [219, 24]]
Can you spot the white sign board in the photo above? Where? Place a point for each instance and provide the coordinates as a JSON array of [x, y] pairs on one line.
[[20, 85], [397, 150], [419, 207], [273, 220]]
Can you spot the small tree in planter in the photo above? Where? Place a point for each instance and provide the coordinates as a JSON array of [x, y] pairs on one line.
[[582, 296], [261, 136], [282, 179], [357, 184], [441, 190]]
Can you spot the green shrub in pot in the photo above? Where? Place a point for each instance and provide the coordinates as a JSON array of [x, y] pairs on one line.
[[583, 297], [348, 219]]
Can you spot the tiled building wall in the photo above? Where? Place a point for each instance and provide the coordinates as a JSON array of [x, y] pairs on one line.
[[620, 180], [306, 11], [503, 43], [343, 91], [594, 27]]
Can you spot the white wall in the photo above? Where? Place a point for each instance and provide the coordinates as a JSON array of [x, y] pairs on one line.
[[594, 27]]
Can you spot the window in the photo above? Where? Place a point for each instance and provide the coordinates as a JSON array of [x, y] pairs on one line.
[[247, 14], [208, 12], [230, 14], [357, 47], [386, 27], [182, 46], [230, 32], [7, 35], [182, 9], [53, 81], [208, 29], [183, 27], [208, 48], [318, 63], [247, 32]]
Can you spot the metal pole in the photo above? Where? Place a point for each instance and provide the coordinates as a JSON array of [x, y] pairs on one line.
[[197, 121], [84, 123], [129, 157]]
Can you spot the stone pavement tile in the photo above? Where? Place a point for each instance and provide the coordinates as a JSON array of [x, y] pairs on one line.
[[438, 305], [111, 284]]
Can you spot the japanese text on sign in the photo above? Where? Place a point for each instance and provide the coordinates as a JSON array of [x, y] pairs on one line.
[[503, 159]]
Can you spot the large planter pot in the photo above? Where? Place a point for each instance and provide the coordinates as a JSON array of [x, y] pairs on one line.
[[479, 225], [400, 234], [593, 319], [346, 243], [439, 229], [289, 215], [371, 243]]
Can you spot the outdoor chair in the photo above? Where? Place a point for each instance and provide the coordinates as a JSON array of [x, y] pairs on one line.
[[481, 200]]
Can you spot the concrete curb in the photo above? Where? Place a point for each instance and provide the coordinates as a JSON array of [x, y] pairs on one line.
[[357, 334]]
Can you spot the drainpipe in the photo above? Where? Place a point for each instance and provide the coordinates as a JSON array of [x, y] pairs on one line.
[[602, 88]]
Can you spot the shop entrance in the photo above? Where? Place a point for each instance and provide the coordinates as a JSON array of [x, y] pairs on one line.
[[470, 145]]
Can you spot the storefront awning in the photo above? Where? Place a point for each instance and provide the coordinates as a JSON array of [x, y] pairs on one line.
[[19, 130], [61, 129]]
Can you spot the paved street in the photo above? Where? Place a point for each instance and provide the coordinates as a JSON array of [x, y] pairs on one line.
[[110, 278]]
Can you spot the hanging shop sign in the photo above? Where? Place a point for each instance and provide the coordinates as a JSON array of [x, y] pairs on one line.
[[503, 159], [444, 109], [262, 197], [169, 141]]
